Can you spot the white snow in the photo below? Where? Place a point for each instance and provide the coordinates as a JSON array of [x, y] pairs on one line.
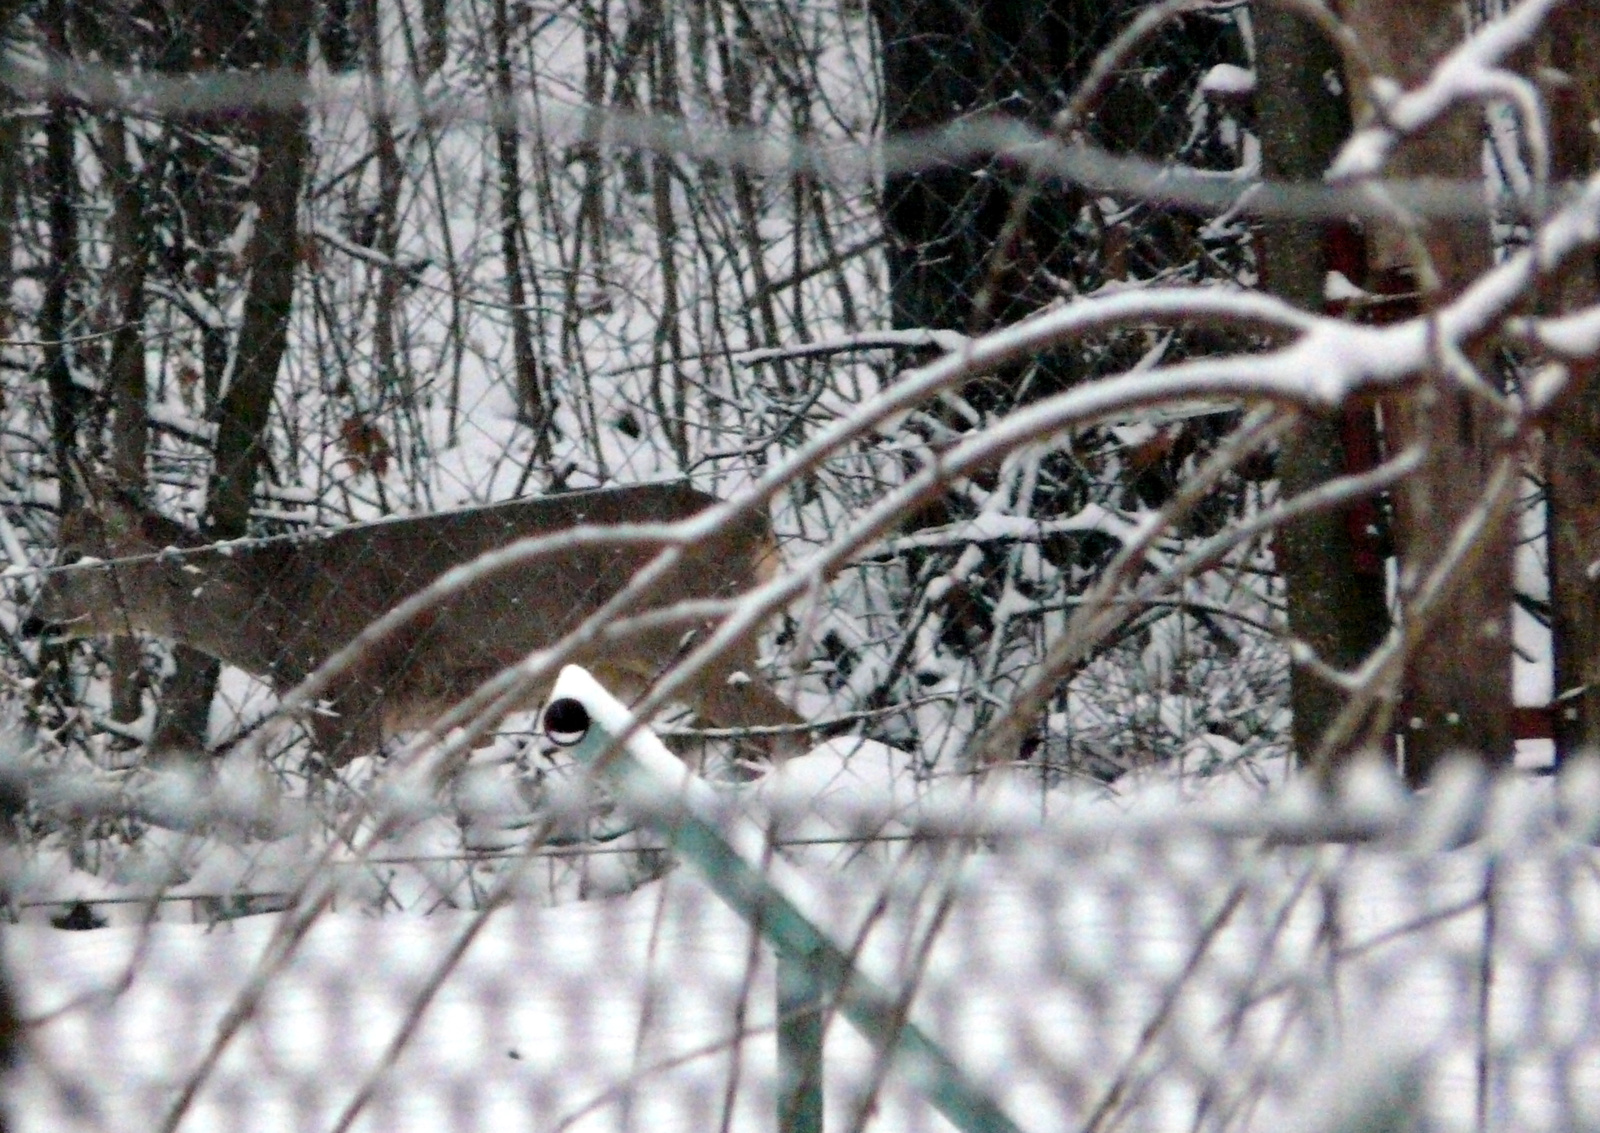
[[1063, 939], [1228, 79]]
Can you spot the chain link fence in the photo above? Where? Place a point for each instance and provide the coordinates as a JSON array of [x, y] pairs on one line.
[[646, 306], [1372, 964]]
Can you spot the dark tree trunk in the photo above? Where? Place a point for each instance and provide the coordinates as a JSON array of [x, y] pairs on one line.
[[531, 402], [66, 398], [126, 384], [245, 406], [948, 60], [1335, 603], [435, 35], [940, 60], [337, 36], [668, 393], [1573, 450], [945, 59], [1457, 695], [272, 256]]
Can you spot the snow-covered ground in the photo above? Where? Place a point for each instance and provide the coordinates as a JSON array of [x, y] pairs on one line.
[[1135, 958]]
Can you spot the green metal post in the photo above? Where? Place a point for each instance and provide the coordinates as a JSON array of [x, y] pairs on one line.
[[800, 1005], [653, 786]]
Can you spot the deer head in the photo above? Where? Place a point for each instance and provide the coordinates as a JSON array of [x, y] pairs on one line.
[[121, 568]]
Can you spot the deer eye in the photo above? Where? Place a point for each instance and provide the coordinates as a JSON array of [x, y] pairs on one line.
[[566, 721]]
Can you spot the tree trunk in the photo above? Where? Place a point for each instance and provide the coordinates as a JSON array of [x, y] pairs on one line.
[[1335, 604], [436, 35], [11, 166], [337, 36], [531, 402], [1572, 451], [942, 61], [668, 394], [391, 372], [126, 382], [246, 404], [1457, 695], [932, 73], [66, 399]]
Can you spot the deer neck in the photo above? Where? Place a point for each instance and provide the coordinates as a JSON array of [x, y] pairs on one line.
[[211, 601]]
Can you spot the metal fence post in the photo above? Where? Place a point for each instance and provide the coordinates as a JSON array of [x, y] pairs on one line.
[[800, 1002], [653, 786]]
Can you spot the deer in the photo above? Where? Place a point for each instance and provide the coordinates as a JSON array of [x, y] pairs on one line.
[[278, 607]]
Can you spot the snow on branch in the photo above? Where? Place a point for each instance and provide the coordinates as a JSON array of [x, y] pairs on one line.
[[1470, 73], [1327, 362], [991, 527], [949, 341]]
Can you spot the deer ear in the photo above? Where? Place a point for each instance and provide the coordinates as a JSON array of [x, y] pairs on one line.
[[107, 515]]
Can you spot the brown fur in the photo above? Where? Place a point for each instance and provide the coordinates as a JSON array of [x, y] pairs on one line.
[[278, 608]]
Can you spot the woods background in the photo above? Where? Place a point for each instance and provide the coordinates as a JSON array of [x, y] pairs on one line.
[[287, 267]]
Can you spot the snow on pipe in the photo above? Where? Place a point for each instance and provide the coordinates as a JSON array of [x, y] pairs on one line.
[[657, 789]]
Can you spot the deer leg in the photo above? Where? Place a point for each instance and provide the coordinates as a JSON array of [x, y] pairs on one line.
[[350, 726]]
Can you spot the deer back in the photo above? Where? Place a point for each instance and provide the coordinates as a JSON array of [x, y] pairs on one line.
[[443, 655], [279, 607]]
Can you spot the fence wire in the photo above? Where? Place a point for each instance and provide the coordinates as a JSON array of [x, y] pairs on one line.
[[1369, 965], [641, 307]]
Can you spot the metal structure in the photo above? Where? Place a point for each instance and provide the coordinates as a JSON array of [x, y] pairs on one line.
[[1219, 965]]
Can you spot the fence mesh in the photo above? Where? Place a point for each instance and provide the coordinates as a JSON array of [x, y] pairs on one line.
[[452, 344], [1224, 967]]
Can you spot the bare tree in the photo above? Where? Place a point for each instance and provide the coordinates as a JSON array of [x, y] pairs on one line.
[[1448, 705], [245, 402], [344, 306], [1335, 607], [1572, 458], [531, 397], [67, 400]]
